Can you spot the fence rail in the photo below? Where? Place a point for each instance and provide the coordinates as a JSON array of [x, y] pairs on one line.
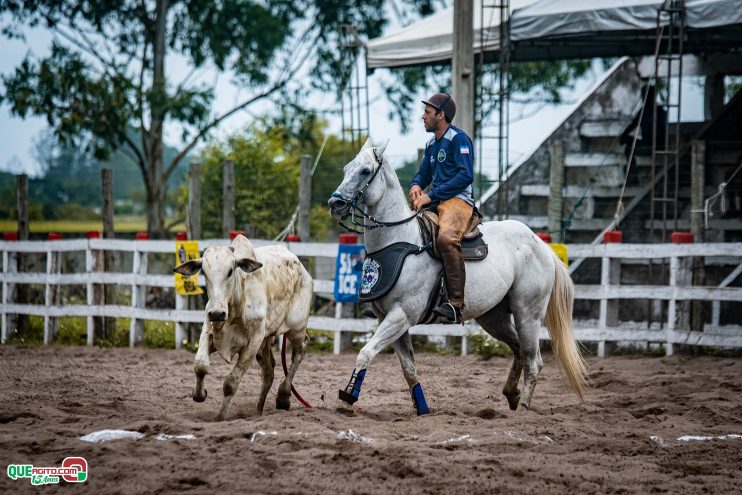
[[677, 292]]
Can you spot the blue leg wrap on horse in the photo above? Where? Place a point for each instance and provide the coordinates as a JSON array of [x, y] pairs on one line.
[[353, 389], [419, 399], [357, 382]]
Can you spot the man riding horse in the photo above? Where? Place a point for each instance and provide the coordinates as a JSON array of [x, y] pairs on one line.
[[447, 167]]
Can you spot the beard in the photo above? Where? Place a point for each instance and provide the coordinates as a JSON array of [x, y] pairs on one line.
[[431, 127]]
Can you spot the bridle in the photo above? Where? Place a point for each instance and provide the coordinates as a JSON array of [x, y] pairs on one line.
[[354, 209]]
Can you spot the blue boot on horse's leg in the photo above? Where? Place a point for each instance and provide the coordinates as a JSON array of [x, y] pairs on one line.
[[421, 406], [353, 389]]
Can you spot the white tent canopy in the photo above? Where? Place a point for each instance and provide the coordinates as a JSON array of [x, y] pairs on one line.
[[544, 29]]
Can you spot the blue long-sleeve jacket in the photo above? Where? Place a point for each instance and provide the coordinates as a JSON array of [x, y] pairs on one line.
[[448, 165]]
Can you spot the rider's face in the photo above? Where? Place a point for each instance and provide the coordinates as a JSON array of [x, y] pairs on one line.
[[431, 119]]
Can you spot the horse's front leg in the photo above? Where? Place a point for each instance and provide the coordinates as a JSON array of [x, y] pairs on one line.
[[406, 354], [394, 325]]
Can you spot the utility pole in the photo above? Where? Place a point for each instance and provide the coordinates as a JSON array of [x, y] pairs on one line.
[[462, 65]]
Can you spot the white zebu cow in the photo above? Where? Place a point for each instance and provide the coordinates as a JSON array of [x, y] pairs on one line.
[[254, 294]]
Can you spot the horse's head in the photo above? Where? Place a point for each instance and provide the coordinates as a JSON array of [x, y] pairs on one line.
[[360, 181]]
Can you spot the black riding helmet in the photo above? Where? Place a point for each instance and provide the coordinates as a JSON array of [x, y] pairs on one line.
[[443, 103]]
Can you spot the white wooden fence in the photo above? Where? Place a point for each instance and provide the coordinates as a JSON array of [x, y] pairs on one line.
[[608, 293]]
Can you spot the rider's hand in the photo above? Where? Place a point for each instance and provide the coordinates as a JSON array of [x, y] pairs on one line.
[[415, 192], [421, 201]]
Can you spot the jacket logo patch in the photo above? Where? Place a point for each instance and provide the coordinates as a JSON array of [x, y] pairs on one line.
[[441, 155]]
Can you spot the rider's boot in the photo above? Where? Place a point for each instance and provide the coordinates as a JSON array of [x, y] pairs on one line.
[[455, 272]]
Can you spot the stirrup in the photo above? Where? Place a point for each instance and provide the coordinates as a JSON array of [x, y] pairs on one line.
[[449, 312]]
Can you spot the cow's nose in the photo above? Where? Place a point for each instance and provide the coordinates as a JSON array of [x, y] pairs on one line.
[[217, 315]]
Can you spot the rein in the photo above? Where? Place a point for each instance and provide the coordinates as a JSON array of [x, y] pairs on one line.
[[353, 202]]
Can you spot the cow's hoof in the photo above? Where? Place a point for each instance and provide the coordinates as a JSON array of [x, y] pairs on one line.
[[513, 401], [199, 397], [283, 403]]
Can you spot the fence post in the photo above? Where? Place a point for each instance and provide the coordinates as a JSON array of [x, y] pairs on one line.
[[138, 292], [51, 291], [10, 265], [228, 197], [305, 197], [94, 292], [672, 305], [610, 274], [22, 290], [109, 324], [193, 215]]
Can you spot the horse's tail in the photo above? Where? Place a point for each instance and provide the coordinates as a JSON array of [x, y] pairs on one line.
[[559, 323]]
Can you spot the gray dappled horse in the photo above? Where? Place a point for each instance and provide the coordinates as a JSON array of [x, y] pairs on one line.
[[519, 267]]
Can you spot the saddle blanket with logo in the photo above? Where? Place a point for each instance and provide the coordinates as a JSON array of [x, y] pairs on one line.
[[381, 270]]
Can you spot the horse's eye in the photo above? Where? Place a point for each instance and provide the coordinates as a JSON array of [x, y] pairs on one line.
[[365, 172], [230, 273]]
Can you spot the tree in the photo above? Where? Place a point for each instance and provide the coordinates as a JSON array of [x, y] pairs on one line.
[[106, 70], [530, 82]]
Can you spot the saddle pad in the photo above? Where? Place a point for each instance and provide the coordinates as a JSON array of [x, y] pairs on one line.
[[381, 270]]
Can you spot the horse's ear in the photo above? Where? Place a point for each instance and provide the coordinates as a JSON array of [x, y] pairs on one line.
[[367, 144], [380, 150]]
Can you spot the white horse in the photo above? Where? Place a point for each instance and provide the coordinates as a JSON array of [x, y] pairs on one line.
[[519, 267]]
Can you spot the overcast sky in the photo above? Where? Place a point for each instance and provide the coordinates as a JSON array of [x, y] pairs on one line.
[[16, 135]]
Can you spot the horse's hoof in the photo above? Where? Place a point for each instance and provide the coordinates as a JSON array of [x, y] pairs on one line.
[[344, 409], [199, 397]]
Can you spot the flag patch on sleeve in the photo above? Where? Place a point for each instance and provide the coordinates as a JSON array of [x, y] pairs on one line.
[[464, 150]]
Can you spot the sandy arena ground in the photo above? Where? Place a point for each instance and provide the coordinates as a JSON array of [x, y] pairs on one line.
[[626, 438]]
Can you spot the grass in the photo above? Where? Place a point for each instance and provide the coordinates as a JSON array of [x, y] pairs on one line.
[[121, 224], [73, 331]]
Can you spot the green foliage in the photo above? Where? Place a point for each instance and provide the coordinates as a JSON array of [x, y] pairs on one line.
[[266, 183], [485, 346], [529, 82]]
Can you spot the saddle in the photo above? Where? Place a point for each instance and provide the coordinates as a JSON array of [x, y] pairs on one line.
[[473, 247]]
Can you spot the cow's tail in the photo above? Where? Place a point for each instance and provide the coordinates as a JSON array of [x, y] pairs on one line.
[[559, 323]]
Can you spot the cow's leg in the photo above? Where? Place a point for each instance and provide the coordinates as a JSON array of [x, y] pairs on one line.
[[246, 358], [393, 326], [403, 347], [267, 365], [299, 342], [201, 367]]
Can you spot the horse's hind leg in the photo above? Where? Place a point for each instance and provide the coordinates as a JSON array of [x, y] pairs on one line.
[[498, 322], [528, 328], [406, 355]]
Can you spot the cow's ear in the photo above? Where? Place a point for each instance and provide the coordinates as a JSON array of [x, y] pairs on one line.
[[248, 265], [188, 268]]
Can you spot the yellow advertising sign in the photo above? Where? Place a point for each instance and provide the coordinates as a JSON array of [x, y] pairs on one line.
[[561, 252], [186, 251]]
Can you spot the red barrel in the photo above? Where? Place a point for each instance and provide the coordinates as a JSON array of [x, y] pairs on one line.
[[10, 236], [348, 238], [293, 238], [613, 237], [55, 236], [181, 236], [92, 234], [544, 236], [682, 237], [141, 236], [235, 233]]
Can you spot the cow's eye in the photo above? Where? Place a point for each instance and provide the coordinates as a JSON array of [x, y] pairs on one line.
[[365, 172], [230, 273]]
